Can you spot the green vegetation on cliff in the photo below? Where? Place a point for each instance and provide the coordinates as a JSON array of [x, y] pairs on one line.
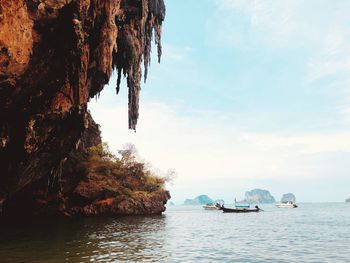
[[136, 176], [117, 184]]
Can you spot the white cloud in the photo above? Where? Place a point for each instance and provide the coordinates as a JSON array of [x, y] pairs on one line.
[[171, 52], [209, 153], [209, 146], [288, 23], [212, 148], [321, 30], [345, 112], [272, 22]]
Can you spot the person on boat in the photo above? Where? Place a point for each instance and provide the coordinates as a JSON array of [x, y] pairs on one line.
[[257, 207]]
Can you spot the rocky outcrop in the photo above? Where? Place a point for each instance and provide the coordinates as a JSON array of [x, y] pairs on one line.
[[259, 196], [199, 200], [115, 186], [137, 205], [54, 57], [93, 182], [347, 200], [289, 197]]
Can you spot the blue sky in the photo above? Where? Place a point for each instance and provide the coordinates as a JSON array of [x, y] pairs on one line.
[[248, 94]]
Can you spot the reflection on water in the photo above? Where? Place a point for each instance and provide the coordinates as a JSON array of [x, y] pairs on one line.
[[310, 233], [86, 240]]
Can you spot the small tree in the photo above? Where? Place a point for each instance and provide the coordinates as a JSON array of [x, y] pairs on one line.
[[170, 176], [128, 153], [102, 150]]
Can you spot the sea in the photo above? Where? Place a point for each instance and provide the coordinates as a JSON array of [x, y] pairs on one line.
[[313, 232]]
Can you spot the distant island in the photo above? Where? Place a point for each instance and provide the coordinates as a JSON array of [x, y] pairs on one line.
[[199, 200], [259, 196], [289, 197], [347, 200], [202, 200]]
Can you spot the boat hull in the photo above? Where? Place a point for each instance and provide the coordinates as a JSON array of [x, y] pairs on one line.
[[206, 207], [240, 210], [286, 206]]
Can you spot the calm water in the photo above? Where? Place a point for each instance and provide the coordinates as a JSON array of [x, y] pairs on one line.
[[310, 233]]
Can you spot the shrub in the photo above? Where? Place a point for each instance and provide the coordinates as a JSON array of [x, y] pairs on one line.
[[134, 175]]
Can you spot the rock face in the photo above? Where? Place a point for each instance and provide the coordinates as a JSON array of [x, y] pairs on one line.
[[259, 196], [54, 57], [289, 197], [199, 200], [347, 200]]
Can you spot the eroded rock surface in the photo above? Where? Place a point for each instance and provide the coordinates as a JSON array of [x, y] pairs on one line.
[[259, 196], [54, 57]]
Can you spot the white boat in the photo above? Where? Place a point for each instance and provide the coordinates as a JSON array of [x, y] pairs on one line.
[[212, 207], [288, 204]]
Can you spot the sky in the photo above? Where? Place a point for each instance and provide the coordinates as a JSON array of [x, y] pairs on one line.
[[248, 94]]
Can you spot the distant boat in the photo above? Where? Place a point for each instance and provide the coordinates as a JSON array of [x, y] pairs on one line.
[[238, 205], [241, 210], [212, 207], [242, 206], [288, 204]]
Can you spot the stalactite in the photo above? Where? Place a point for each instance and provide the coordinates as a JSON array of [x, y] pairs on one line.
[[134, 47]]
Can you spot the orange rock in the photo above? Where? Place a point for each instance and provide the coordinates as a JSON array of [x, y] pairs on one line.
[[16, 39], [106, 202]]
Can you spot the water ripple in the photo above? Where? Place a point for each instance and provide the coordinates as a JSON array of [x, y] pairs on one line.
[[311, 233]]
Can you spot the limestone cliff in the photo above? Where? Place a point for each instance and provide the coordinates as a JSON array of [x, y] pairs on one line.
[[54, 57], [199, 200], [289, 197], [259, 196]]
